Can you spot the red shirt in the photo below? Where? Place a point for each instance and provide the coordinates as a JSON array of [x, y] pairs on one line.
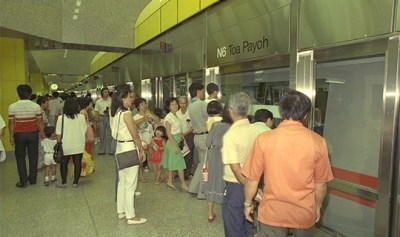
[[25, 113]]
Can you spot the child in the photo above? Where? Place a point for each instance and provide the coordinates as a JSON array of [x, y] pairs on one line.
[[156, 152], [48, 148]]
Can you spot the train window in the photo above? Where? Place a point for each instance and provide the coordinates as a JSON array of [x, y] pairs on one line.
[[349, 105], [265, 87]]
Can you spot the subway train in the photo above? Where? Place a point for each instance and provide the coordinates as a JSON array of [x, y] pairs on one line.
[[345, 55]]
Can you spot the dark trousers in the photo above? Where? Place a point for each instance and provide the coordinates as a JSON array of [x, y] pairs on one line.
[[77, 159], [189, 157], [26, 141], [273, 231], [235, 223]]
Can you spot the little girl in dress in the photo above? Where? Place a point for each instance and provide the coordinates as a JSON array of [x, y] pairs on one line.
[[156, 152]]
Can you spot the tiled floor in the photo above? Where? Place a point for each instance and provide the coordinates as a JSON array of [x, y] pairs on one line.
[[90, 210]]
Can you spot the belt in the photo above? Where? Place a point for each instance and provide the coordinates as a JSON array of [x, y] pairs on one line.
[[49, 152], [200, 133], [125, 141], [231, 182]]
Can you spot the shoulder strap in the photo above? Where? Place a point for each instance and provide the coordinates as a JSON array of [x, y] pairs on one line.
[[62, 126], [119, 119]]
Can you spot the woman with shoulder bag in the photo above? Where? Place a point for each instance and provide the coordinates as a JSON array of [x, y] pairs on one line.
[[73, 140], [126, 134]]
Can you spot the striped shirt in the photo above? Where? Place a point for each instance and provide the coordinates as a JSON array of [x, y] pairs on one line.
[[25, 113]]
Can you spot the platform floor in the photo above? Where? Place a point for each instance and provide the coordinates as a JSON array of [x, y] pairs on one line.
[[90, 209]]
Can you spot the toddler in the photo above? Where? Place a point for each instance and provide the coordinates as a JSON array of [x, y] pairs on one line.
[[156, 152], [48, 148]]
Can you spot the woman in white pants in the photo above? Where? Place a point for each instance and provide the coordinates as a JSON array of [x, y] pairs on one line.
[[125, 132]]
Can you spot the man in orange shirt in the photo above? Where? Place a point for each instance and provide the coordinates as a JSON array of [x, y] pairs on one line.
[[296, 168]]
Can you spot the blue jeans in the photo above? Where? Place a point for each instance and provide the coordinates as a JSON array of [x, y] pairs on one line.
[[235, 223]]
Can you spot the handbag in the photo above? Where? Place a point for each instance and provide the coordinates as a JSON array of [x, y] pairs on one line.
[[58, 154], [205, 170], [128, 158]]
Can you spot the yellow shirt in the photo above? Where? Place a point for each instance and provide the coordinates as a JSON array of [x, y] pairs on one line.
[[237, 143]]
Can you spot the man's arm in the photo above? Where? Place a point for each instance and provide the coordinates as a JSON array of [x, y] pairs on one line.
[[40, 125], [250, 189], [237, 171], [320, 193], [11, 129]]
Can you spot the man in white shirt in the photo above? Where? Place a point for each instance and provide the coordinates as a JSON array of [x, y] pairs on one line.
[[53, 107], [212, 91], [263, 120], [102, 109]]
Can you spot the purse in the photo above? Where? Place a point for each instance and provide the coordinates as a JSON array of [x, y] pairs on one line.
[[58, 154], [89, 135], [205, 170], [128, 158]]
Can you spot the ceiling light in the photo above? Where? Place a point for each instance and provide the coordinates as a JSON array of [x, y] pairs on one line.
[[335, 80], [78, 3], [76, 10], [75, 17]]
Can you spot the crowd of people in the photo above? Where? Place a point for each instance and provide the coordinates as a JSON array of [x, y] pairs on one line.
[[284, 169]]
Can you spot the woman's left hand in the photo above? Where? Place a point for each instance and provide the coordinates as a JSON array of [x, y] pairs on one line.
[[177, 150]]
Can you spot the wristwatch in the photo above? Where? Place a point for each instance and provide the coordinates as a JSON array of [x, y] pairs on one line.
[[247, 205]]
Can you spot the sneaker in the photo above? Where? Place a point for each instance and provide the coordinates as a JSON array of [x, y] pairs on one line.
[[46, 183], [53, 180], [121, 215], [61, 186], [133, 222], [21, 185], [74, 185], [138, 193], [146, 169]]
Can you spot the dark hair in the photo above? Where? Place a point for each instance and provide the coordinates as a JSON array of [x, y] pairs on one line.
[[121, 91], [55, 94], [194, 87], [71, 108], [262, 115], [41, 100], [49, 130], [102, 90], [294, 105], [226, 118], [64, 96], [24, 91], [89, 95], [162, 129], [72, 95], [168, 103], [211, 87], [33, 97], [158, 112], [83, 102], [214, 107], [138, 101]]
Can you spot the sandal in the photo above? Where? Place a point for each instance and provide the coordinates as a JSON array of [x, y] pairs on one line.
[[211, 219], [143, 180], [157, 182]]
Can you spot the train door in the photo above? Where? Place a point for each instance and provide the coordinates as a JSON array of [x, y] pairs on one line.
[[356, 111], [265, 87]]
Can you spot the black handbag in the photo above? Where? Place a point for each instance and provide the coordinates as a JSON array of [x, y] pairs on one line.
[[58, 154], [128, 158]]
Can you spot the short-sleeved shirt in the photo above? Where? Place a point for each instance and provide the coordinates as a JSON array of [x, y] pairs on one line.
[[237, 143], [101, 105], [176, 127], [198, 115], [48, 145], [292, 159], [145, 129], [185, 120], [25, 113], [73, 134], [54, 105], [261, 127]]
